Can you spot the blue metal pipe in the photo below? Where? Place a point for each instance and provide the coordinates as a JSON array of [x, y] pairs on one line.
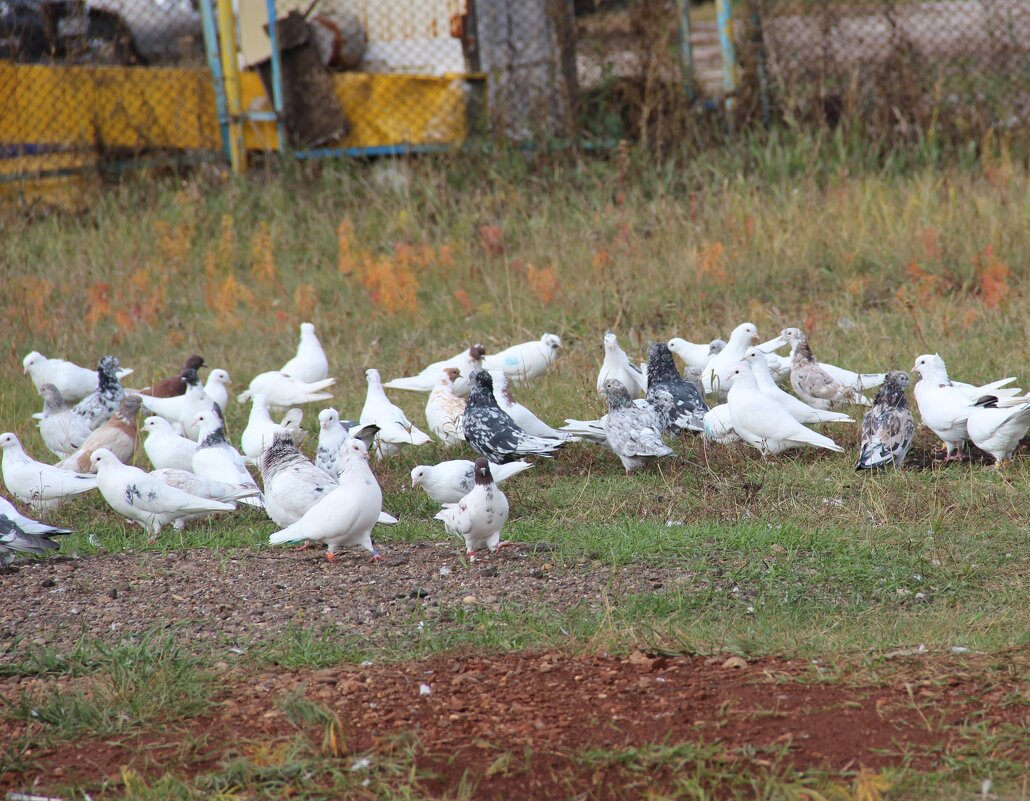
[[277, 75], [207, 16]]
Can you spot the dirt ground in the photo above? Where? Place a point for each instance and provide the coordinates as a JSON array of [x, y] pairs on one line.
[[244, 595], [545, 708]]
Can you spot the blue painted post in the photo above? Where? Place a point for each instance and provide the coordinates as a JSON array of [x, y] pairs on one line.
[[207, 16], [686, 47], [277, 75], [724, 19]]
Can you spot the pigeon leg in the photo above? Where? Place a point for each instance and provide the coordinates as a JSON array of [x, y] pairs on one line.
[[376, 556], [330, 556], [472, 556], [502, 544], [305, 546]]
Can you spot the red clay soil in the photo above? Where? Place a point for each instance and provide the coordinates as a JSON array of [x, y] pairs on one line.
[[555, 705]]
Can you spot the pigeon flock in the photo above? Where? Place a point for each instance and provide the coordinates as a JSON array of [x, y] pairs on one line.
[[335, 500]]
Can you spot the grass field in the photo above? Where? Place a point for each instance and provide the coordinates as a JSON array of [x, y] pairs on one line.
[[879, 623]]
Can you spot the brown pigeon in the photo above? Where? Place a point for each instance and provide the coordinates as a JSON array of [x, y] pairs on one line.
[[118, 435], [176, 385]]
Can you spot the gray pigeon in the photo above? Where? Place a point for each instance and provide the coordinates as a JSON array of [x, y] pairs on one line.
[[99, 406], [687, 409], [62, 428], [811, 382], [493, 433], [887, 428], [633, 433], [15, 540]]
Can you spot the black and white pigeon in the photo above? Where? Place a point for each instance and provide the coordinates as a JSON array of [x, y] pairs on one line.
[[99, 406], [478, 517], [888, 428], [13, 539], [677, 403], [634, 434], [493, 433]]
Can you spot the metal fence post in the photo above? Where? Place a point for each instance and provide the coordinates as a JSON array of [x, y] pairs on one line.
[[277, 75], [230, 69], [207, 18], [686, 47], [724, 19]]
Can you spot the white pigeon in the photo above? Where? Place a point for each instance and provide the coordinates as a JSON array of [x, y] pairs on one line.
[[525, 419], [293, 484], [42, 486], [779, 366], [217, 387], [331, 436], [62, 428], [190, 482], [798, 409], [480, 515], [618, 366], [761, 422], [395, 429], [182, 410], [27, 524], [165, 447], [216, 459], [449, 482], [718, 424], [445, 408], [346, 515], [310, 364], [945, 406], [997, 426], [261, 428], [696, 355], [717, 371], [281, 391], [146, 499], [467, 362], [73, 382], [527, 361]]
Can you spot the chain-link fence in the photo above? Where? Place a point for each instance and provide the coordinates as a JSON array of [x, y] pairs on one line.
[[894, 66], [102, 83]]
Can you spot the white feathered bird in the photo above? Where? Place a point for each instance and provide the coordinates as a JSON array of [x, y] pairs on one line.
[[450, 481], [42, 486], [467, 362], [347, 514], [310, 364], [997, 426], [395, 429], [165, 447], [945, 406], [761, 422], [478, 517], [73, 382], [526, 361], [618, 366], [281, 391], [261, 428], [217, 459], [718, 425], [526, 420], [797, 409], [62, 428], [146, 499], [444, 409], [717, 371]]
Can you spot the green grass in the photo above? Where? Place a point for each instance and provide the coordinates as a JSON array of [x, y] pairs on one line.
[[793, 556]]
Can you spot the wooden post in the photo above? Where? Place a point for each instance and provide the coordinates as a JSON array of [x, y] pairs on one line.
[[527, 50]]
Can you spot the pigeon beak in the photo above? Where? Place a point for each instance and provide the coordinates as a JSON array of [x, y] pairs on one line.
[[25, 371]]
